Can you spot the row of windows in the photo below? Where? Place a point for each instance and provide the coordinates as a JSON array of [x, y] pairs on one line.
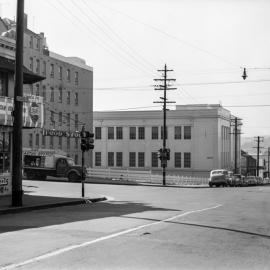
[[52, 71], [52, 94], [116, 159], [40, 140], [139, 133]]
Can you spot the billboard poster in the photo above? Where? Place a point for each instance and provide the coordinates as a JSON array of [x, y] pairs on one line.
[[5, 184], [33, 111]]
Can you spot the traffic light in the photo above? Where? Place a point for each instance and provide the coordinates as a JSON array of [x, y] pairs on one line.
[[87, 141], [167, 153], [160, 153], [244, 76]]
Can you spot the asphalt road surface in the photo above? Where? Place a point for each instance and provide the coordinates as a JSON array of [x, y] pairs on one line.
[[144, 228]]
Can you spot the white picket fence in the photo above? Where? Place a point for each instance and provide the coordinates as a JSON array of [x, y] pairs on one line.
[[144, 177]]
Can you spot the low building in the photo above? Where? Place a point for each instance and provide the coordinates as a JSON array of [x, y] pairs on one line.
[[248, 164], [199, 138]]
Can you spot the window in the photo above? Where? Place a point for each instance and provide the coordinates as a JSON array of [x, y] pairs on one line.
[[38, 44], [44, 92], [154, 133], [5, 152], [68, 142], [37, 92], [30, 140], [60, 142], [60, 98], [60, 72], [187, 132], [154, 159], [31, 89], [3, 84], [68, 97], [44, 72], [52, 95], [68, 119], [132, 133], [51, 141], [166, 133], [119, 133], [177, 160], [31, 42], [31, 65], [52, 117], [110, 159], [60, 118], [76, 78], [68, 75], [177, 132], [76, 99], [76, 143], [76, 158], [187, 160], [37, 140], [141, 133], [110, 133], [38, 66], [43, 141], [76, 121], [98, 133], [141, 159], [97, 159], [52, 70], [132, 159], [119, 159]]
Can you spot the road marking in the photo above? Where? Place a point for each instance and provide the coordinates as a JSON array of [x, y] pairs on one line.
[[69, 248]]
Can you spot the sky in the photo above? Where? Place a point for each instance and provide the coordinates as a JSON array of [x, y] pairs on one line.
[[206, 43]]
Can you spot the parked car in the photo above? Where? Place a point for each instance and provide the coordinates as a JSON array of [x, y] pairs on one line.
[[237, 180], [251, 180], [219, 177]]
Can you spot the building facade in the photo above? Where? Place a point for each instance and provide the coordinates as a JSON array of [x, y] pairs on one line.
[[199, 138], [67, 91]]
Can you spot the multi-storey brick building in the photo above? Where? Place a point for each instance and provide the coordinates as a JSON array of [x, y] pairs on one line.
[[67, 91], [198, 136]]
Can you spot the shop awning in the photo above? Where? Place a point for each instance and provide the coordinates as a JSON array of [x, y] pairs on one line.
[[29, 77]]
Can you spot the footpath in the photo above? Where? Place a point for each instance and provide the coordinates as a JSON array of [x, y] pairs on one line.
[[42, 195]]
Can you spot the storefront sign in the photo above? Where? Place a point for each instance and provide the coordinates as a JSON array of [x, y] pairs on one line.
[[5, 184], [33, 108], [61, 133]]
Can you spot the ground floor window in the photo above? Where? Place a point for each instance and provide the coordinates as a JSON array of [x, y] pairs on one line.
[[141, 159], [132, 159], [119, 159], [98, 159], [110, 159], [187, 160], [154, 159], [5, 139], [177, 160]]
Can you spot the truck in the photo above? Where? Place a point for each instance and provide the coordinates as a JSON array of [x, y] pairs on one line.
[[38, 165], [220, 177]]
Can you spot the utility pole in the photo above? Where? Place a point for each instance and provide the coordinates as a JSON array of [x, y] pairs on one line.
[[164, 87], [18, 110], [258, 139], [236, 123]]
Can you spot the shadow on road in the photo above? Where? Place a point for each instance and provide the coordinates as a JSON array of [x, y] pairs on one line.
[[69, 214], [205, 226]]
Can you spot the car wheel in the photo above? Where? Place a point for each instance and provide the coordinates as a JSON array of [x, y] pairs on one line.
[[72, 176]]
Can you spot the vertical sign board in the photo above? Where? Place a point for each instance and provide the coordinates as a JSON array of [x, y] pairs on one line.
[[5, 184]]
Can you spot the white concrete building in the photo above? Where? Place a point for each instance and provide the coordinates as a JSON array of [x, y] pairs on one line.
[[198, 136]]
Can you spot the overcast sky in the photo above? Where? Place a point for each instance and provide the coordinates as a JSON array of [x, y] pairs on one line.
[[206, 42]]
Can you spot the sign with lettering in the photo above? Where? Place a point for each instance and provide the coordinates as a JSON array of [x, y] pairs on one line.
[[5, 184], [61, 133]]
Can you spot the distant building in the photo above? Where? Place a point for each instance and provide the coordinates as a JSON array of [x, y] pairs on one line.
[[248, 164], [199, 138], [67, 91]]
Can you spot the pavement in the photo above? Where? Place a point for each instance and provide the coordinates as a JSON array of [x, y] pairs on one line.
[[39, 195]]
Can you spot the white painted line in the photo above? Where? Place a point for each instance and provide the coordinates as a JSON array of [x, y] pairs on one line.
[[69, 248]]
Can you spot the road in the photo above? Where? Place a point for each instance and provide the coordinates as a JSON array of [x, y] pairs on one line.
[[142, 227]]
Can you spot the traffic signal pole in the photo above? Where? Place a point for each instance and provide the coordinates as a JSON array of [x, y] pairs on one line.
[[164, 88]]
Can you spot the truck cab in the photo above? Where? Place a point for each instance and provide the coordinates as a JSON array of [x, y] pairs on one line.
[[38, 166]]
